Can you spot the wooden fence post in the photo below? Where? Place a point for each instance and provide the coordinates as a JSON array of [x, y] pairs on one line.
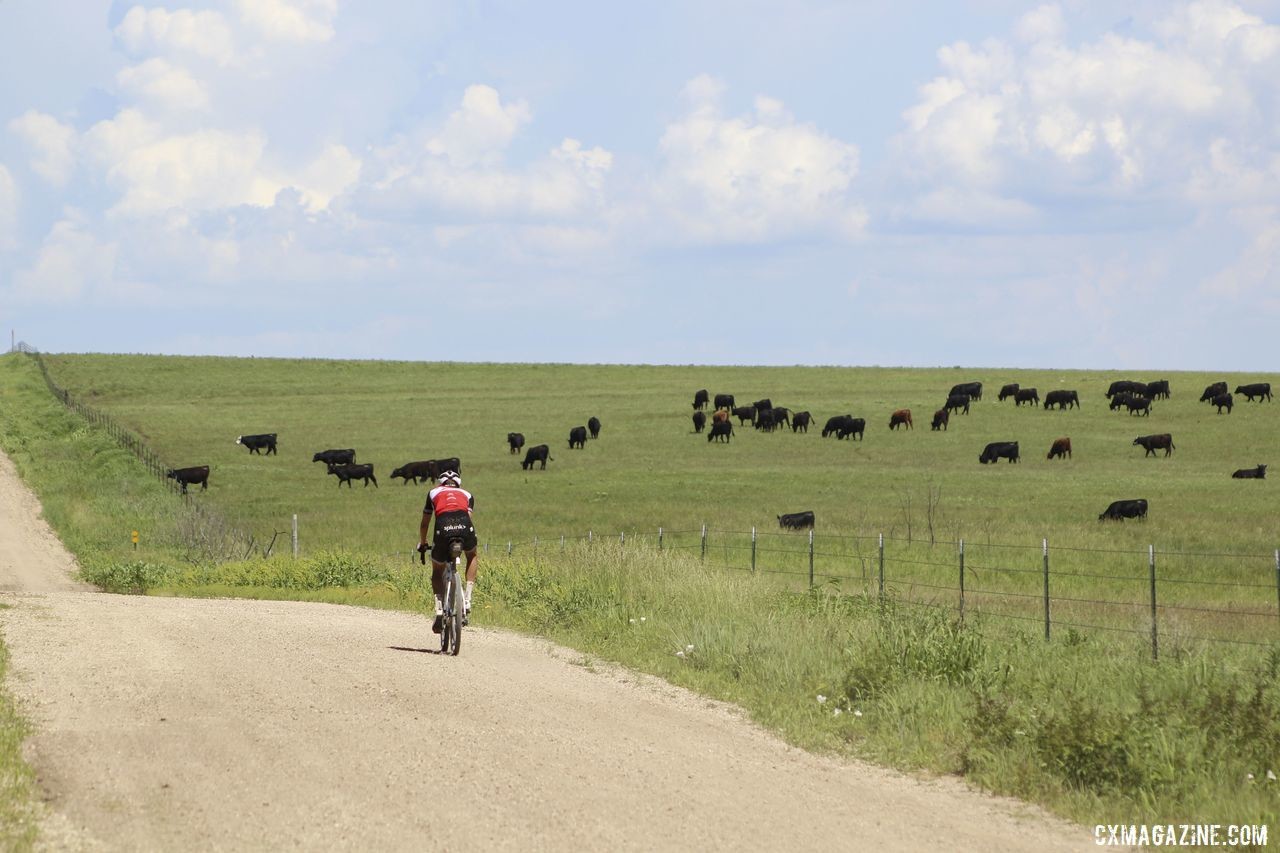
[[1151, 564], [753, 547], [1044, 543], [881, 568], [961, 580]]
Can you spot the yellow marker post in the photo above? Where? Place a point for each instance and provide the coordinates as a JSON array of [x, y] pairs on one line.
[[135, 540]]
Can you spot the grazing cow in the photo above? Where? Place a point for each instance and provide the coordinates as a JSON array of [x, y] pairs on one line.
[[760, 405], [724, 401], [781, 416], [972, 390], [1159, 389], [1008, 391], [722, 431], [515, 440], [997, 450], [578, 437], [720, 416], [699, 421], [199, 474], [427, 469], [256, 443], [941, 418], [1152, 443], [851, 426], [1212, 391], [744, 414], [800, 422], [1223, 400], [956, 402], [1121, 401], [833, 424], [1120, 510], [348, 472], [1126, 386], [1261, 390], [1061, 449], [766, 420], [1062, 399], [700, 399], [1259, 473], [902, 417], [796, 520], [1139, 404], [335, 456], [538, 453], [1026, 395], [593, 424]]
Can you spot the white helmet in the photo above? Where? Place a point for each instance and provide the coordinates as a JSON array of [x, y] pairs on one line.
[[450, 476]]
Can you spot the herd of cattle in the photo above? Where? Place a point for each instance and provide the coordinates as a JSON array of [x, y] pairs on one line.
[[1134, 397]]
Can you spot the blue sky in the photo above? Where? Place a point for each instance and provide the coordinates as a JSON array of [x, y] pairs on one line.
[[984, 183]]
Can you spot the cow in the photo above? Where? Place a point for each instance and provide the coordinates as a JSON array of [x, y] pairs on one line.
[[796, 520], [997, 450], [578, 437], [902, 417], [721, 416], [766, 420], [537, 453], [197, 474], [1259, 473], [1026, 395], [956, 402], [722, 431], [760, 405], [1152, 443], [724, 401], [1212, 391], [1062, 399], [1159, 389], [972, 390], [699, 421], [833, 424], [1120, 510], [593, 425], [1223, 400], [427, 469], [1007, 391], [781, 416], [1138, 404], [800, 422], [941, 418], [1123, 386], [700, 399], [744, 414], [515, 440], [851, 426], [335, 456], [347, 472], [1261, 390], [1121, 401], [256, 443], [1061, 449]]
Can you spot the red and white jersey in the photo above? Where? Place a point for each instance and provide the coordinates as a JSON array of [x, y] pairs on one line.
[[444, 499]]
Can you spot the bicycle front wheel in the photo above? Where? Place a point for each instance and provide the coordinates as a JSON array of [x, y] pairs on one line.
[[458, 606]]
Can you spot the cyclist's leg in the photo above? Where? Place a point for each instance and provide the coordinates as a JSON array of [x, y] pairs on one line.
[[437, 587], [473, 563]]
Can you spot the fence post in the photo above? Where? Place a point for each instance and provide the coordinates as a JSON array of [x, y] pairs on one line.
[[1151, 564], [961, 580], [703, 556], [590, 537], [508, 547], [882, 568], [810, 558], [753, 547], [659, 538], [622, 538], [295, 536], [1044, 543]]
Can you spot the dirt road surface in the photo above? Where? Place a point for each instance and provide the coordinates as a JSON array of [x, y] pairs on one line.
[[175, 724]]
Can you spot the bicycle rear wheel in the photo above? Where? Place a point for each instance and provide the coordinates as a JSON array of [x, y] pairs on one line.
[[446, 627], [458, 606]]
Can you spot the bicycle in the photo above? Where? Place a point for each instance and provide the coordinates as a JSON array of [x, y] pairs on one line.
[[454, 604]]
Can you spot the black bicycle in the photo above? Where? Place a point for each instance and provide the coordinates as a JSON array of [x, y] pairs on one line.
[[454, 604]]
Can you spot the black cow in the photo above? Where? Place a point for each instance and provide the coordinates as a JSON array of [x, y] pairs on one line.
[[766, 403], [1212, 391], [800, 422], [1259, 473], [851, 426], [941, 418], [956, 402], [833, 424], [1261, 390], [1061, 448], [699, 421], [515, 440], [781, 416], [1123, 386], [427, 469], [257, 443], [538, 453], [744, 414], [796, 520], [1008, 391], [724, 401], [766, 420], [578, 437], [1223, 400], [1062, 399], [593, 425], [1120, 510], [1121, 401], [348, 472], [337, 457], [1026, 395], [722, 431], [972, 390], [1158, 390], [700, 399], [197, 474], [1138, 404], [1152, 443], [997, 450]]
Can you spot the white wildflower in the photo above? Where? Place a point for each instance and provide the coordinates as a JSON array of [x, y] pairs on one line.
[[1248, 777], [679, 654], [643, 618], [837, 712], [632, 621], [688, 648], [857, 713], [821, 698], [1271, 775]]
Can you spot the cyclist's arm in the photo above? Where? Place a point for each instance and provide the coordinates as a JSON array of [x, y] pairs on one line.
[[424, 529]]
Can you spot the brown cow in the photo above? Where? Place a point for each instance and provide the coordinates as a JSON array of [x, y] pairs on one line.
[[941, 418], [720, 417], [900, 417], [1061, 448]]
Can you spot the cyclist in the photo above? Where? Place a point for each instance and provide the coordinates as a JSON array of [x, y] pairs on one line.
[[451, 505]]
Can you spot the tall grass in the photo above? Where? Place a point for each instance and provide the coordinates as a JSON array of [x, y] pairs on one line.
[[17, 783]]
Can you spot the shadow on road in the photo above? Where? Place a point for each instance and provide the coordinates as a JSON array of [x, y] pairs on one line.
[[410, 649]]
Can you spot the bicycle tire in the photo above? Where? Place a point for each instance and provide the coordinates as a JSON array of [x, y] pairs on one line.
[[459, 608], [447, 618]]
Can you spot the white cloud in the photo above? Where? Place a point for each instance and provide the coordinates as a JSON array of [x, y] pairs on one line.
[[8, 210], [51, 144], [183, 32], [290, 20], [480, 129], [71, 265], [163, 85], [333, 171], [1253, 273]]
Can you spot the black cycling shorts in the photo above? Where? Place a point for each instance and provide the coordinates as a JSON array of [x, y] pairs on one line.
[[452, 525]]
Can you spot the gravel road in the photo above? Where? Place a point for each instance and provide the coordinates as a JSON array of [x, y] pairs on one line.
[[181, 724]]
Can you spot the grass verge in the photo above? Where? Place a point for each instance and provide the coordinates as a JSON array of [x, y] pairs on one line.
[[17, 784]]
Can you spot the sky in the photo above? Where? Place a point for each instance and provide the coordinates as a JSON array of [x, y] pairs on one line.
[[1074, 185]]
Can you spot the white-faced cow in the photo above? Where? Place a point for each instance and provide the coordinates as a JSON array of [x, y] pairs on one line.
[[258, 443]]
